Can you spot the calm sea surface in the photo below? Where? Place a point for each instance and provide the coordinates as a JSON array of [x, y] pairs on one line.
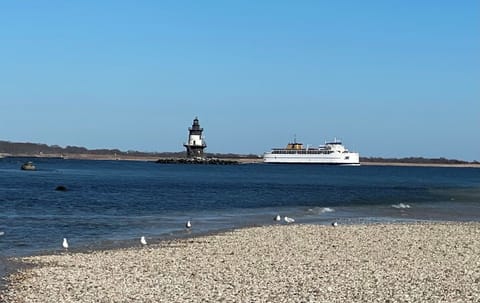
[[113, 203]]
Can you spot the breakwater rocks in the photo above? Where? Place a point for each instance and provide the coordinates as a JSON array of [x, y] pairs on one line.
[[211, 161]]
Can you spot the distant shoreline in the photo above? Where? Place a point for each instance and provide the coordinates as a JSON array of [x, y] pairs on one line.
[[37, 150], [241, 160], [468, 165]]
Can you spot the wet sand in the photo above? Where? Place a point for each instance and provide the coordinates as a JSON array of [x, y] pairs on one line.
[[8, 267], [415, 262]]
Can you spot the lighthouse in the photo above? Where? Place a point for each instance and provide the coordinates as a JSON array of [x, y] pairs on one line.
[[195, 143]]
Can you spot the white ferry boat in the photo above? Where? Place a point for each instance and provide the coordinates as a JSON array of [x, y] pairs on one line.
[[331, 153]]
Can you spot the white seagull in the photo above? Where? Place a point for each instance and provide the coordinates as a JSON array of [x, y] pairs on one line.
[[65, 243], [335, 224], [188, 225], [2, 233], [288, 219], [143, 241], [277, 218]]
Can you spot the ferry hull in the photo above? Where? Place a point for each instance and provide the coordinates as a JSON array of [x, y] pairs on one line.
[[334, 159]]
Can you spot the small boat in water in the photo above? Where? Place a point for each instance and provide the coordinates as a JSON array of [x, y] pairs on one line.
[[28, 166]]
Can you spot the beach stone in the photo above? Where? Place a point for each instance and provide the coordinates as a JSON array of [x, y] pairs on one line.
[[294, 263]]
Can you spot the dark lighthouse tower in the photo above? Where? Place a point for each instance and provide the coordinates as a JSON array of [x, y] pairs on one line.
[[195, 143]]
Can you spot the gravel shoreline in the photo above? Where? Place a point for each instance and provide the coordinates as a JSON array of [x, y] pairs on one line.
[[413, 262]]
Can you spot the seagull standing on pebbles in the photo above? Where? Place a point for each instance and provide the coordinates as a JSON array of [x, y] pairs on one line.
[[143, 241], [277, 218], [288, 219], [65, 243], [188, 225], [335, 224]]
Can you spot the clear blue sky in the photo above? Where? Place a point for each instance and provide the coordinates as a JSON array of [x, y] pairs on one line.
[[389, 78]]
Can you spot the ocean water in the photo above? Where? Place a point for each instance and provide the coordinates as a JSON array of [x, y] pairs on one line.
[[113, 203]]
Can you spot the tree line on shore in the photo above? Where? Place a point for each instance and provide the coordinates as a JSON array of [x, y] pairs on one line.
[[415, 160], [37, 149]]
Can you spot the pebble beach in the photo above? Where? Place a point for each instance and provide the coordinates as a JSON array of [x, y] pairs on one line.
[[398, 262]]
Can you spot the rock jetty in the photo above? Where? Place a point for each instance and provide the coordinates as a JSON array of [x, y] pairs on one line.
[[212, 161]]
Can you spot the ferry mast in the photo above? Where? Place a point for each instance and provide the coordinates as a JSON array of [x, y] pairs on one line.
[[195, 143]]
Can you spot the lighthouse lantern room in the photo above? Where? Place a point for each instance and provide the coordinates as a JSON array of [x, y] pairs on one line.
[[195, 143]]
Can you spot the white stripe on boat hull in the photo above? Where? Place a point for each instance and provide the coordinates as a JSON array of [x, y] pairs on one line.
[[336, 159]]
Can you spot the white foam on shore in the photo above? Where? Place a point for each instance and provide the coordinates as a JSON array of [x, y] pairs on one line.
[[401, 205]]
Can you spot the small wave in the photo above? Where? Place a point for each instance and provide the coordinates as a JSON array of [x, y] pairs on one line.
[[401, 205], [326, 210], [321, 210]]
